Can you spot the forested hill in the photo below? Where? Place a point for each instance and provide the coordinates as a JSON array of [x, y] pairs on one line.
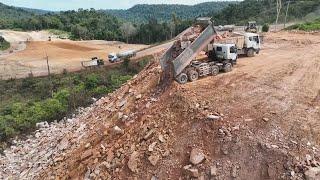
[[11, 12], [264, 11], [163, 12]]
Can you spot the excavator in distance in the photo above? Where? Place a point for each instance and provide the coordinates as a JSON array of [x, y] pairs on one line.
[[179, 59]]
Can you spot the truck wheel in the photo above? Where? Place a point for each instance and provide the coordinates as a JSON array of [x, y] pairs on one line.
[[250, 53], [193, 75], [182, 78], [214, 70], [227, 67]]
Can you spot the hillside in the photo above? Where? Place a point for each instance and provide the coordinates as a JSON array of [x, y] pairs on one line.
[[11, 12], [259, 121], [163, 12], [264, 11]]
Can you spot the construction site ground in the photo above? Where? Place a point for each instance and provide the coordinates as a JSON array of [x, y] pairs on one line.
[[260, 121], [29, 50]]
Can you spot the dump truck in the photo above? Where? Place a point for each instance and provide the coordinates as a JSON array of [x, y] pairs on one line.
[[94, 62], [247, 43], [229, 28], [251, 27], [115, 57], [179, 60]]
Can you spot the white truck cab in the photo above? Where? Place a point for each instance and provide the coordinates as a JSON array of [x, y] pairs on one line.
[[113, 57], [226, 51], [252, 40]]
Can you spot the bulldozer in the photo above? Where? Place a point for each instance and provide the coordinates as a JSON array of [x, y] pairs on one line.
[[251, 27]]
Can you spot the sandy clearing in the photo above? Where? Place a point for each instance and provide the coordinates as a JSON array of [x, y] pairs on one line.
[[63, 54]]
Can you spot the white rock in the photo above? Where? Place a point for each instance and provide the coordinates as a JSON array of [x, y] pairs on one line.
[[152, 146], [213, 170], [117, 130], [213, 117], [153, 159], [42, 124], [196, 156], [139, 96], [133, 162], [313, 173]]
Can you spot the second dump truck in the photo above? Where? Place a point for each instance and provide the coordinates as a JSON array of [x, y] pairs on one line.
[[115, 57]]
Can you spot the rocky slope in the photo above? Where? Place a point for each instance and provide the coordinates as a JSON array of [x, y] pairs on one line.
[[259, 121]]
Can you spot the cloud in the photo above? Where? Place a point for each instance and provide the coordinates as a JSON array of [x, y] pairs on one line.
[[86, 4]]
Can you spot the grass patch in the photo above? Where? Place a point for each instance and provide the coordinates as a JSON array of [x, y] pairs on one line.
[[307, 26], [25, 102], [4, 44], [61, 34]]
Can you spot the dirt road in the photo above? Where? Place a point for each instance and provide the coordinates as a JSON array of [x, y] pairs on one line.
[[267, 119]]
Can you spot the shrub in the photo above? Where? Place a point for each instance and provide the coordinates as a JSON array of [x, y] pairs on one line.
[[4, 44], [265, 28], [91, 81]]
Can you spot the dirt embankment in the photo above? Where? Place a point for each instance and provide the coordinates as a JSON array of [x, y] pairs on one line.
[[259, 121]]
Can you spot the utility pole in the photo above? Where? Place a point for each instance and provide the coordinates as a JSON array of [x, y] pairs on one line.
[[285, 19], [47, 57], [279, 6]]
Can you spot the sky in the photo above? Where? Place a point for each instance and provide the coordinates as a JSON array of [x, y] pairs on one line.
[[57, 5]]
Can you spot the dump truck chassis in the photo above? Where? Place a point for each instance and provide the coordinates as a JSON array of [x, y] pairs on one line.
[[199, 69]]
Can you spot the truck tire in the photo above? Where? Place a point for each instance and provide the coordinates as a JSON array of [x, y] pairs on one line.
[[182, 78], [193, 75], [227, 67], [250, 53], [214, 70]]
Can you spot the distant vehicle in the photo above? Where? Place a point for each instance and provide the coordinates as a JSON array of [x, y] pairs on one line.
[[229, 28], [115, 57], [251, 27], [94, 62]]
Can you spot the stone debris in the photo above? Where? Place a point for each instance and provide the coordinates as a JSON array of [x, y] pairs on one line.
[[161, 138], [153, 159], [139, 96], [313, 173], [117, 130], [193, 172], [213, 117], [265, 119], [213, 171], [42, 124], [133, 162], [148, 135], [196, 156], [27, 158], [152, 146]]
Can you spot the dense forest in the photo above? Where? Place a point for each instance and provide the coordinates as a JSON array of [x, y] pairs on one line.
[[163, 12], [264, 11], [91, 24], [149, 24]]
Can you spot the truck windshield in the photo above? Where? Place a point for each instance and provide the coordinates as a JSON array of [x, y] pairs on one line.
[[110, 56], [233, 49], [256, 39], [219, 48]]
